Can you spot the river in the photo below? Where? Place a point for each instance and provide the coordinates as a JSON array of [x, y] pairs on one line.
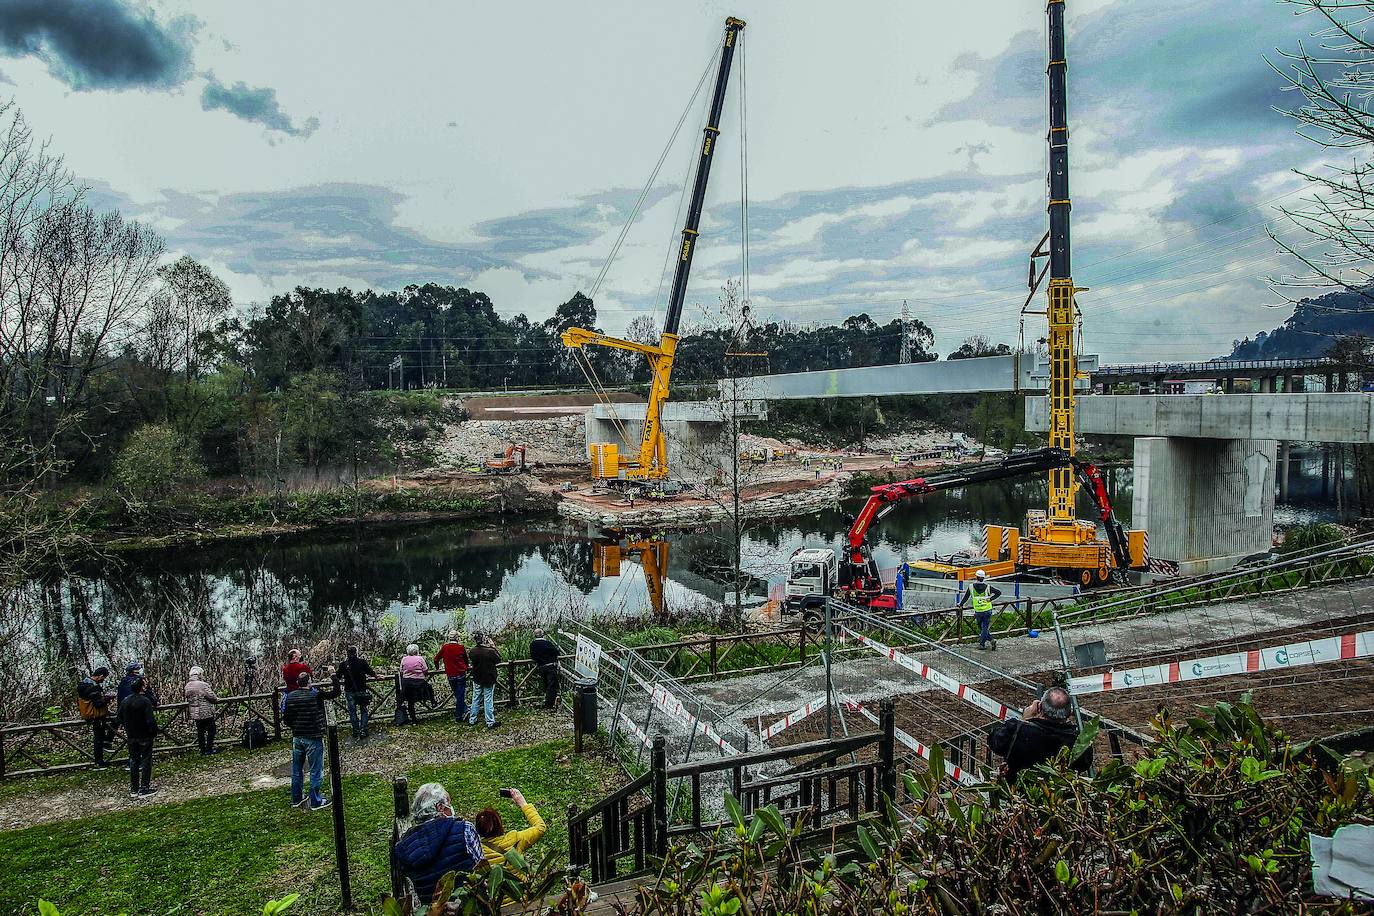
[[247, 596]]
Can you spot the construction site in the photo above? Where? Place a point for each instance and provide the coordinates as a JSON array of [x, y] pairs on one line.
[[741, 668]]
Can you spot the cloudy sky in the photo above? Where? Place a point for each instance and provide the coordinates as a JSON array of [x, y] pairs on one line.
[[895, 151]]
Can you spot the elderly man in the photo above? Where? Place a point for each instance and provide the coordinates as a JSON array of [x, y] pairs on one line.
[[1044, 728], [437, 843]]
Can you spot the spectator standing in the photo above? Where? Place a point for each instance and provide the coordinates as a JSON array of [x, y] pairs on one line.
[[200, 703], [413, 679], [497, 841], [293, 669], [354, 673], [93, 704], [437, 843], [453, 655], [140, 726], [484, 658], [303, 713], [132, 672], [544, 654], [1045, 727]]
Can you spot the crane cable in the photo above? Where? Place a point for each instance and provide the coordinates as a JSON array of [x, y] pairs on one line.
[[653, 178]]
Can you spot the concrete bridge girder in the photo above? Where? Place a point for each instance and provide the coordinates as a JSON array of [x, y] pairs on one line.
[[1019, 372], [1296, 417]]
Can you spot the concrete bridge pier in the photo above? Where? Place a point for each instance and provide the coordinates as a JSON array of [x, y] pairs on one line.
[[1285, 448], [1206, 503], [696, 431]]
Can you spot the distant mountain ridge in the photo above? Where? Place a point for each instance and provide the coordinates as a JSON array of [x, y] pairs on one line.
[[1314, 326]]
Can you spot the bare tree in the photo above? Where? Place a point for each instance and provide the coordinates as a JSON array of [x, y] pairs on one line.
[[1335, 78]]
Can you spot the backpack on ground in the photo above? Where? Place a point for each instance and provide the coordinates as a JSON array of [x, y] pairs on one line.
[[254, 734]]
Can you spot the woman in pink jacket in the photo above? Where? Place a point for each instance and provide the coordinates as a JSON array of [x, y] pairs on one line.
[[414, 669]]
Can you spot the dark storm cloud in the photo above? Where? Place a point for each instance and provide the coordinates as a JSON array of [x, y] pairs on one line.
[[256, 104], [98, 44]]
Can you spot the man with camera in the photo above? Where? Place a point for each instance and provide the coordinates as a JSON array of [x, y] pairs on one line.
[[1046, 726]]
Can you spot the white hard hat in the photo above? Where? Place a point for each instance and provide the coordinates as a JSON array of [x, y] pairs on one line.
[[982, 574]]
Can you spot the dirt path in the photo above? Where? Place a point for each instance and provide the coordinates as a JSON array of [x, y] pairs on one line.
[[393, 751]]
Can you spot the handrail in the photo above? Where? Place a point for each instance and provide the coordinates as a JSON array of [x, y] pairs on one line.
[[754, 758], [638, 784]]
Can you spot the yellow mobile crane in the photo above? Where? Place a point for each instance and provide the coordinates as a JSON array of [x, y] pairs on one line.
[[652, 461], [1057, 539]]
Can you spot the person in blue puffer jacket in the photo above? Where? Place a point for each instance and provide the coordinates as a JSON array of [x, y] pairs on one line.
[[437, 842]]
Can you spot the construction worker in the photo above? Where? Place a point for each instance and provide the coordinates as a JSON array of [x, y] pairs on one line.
[[982, 596]]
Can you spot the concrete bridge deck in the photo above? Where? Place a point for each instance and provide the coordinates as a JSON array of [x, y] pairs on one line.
[[1297, 417]]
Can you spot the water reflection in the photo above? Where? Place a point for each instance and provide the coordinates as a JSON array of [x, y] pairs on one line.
[[254, 595]]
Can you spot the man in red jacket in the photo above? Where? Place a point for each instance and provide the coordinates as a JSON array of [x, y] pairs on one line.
[[293, 669], [454, 657]]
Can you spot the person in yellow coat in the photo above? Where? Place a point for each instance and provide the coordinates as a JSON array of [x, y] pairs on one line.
[[497, 840]]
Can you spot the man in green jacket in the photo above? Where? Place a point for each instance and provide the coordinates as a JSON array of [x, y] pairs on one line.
[[982, 595]]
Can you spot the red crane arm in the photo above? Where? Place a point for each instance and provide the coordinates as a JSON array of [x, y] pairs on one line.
[[882, 496], [1033, 462]]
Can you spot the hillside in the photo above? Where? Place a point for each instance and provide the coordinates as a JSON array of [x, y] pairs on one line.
[[1313, 327]]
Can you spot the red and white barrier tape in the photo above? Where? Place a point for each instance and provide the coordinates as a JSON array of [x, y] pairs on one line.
[[1272, 658], [635, 730], [670, 704], [795, 716], [939, 679], [958, 774]]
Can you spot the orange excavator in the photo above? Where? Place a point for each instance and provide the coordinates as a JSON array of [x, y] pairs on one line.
[[506, 464]]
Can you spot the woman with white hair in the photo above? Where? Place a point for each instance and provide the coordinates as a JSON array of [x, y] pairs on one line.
[[201, 702], [414, 671], [437, 842]]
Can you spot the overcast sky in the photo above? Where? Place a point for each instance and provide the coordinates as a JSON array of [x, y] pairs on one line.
[[895, 150]]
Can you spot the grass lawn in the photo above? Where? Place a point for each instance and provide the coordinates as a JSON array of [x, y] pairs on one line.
[[231, 853]]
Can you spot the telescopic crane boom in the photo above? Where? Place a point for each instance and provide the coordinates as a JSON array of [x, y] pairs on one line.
[[863, 571], [652, 461]]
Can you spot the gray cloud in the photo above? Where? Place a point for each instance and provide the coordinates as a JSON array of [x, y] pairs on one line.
[[99, 44], [256, 104]]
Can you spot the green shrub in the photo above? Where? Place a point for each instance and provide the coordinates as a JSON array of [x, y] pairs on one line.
[[153, 462], [1308, 537]]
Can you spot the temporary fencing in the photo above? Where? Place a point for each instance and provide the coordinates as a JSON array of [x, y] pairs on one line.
[[795, 716], [949, 684], [1342, 647]]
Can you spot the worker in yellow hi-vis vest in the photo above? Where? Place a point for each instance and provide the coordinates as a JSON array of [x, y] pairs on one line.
[[982, 594]]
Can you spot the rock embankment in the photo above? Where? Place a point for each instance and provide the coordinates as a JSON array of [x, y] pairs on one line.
[[553, 440]]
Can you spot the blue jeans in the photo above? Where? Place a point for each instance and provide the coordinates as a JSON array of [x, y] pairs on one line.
[[459, 686], [984, 619], [307, 750], [357, 712], [483, 697]]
